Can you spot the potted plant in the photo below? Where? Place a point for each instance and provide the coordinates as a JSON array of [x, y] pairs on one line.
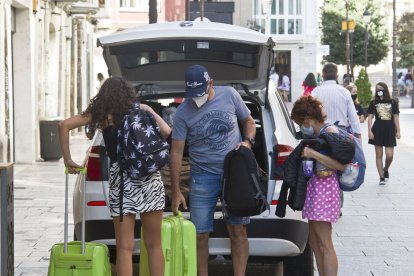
[[364, 89]]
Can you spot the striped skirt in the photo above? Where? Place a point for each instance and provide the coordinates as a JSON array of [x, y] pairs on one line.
[[139, 196]]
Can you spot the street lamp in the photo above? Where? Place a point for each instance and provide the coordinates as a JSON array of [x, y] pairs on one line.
[[394, 52], [266, 7], [348, 26], [366, 17]]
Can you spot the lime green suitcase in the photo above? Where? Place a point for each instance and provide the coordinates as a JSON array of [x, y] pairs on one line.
[[78, 258], [178, 246]]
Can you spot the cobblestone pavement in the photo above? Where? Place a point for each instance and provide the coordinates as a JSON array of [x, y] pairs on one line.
[[375, 235]]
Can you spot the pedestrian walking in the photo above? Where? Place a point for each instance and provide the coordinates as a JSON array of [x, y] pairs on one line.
[[362, 115], [322, 203], [274, 77], [337, 101], [385, 129], [401, 84], [144, 196], [207, 119], [284, 87], [408, 83], [309, 84], [318, 79]]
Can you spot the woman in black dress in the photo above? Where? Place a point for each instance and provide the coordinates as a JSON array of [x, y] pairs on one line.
[[385, 130]]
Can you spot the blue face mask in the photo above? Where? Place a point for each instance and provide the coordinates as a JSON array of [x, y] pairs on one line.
[[308, 131]]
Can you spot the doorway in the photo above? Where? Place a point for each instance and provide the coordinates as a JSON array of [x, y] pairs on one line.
[[283, 68]]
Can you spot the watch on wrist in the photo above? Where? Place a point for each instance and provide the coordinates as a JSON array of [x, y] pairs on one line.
[[250, 140]]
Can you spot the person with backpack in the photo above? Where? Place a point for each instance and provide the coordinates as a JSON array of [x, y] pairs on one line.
[[322, 203], [385, 129], [208, 120], [144, 196]]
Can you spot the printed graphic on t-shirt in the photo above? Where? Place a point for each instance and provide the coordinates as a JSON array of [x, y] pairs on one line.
[[215, 127], [384, 111]]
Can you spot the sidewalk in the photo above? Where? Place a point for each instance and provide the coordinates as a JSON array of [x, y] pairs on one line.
[[375, 236], [39, 209]]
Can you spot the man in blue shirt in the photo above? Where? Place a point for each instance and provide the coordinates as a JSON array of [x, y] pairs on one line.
[[207, 119]]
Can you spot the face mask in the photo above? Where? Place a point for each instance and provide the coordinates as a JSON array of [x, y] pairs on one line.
[[380, 93], [200, 101], [354, 97], [308, 131]]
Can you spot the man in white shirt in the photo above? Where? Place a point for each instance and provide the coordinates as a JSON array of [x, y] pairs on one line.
[[274, 76], [337, 101]]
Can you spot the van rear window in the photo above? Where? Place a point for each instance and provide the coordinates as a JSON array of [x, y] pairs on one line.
[[144, 53]]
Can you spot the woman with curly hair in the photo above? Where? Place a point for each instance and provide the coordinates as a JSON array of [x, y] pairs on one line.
[[322, 203], [144, 196]]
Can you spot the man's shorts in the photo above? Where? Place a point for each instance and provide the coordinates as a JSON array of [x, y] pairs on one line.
[[205, 190]]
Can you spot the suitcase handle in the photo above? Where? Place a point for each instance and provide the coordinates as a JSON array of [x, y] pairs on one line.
[[79, 170], [65, 233]]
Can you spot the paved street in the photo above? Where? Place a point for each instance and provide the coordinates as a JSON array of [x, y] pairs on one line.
[[375, 236]]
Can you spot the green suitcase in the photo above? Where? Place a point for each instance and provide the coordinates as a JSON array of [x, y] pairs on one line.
[[78, 258], [73, 263], [178, 246]]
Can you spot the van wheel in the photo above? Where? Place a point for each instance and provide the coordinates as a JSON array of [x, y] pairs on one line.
[[301, 265]]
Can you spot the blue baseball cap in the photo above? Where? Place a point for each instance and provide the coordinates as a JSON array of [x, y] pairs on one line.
[[196, 81]]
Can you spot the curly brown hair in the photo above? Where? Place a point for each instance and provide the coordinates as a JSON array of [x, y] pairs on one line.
[[114, 98], [307, 106]]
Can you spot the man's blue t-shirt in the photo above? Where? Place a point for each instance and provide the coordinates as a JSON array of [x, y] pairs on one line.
[[211, 130]]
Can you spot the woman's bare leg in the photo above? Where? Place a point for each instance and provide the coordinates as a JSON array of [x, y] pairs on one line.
[[151, 226], [323, 232], [125, 242]]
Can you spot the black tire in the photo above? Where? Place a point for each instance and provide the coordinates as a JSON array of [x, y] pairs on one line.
[[301, 265]]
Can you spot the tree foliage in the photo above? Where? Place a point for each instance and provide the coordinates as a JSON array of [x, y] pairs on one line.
[[363, 88], [333, 12], [405, 27]]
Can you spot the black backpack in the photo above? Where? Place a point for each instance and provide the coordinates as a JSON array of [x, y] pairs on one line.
[[244, 185]]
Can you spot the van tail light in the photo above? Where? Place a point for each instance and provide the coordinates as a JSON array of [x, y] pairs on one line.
[[93, 165], [283, 152]]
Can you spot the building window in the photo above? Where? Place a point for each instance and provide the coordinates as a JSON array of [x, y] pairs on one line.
[[137, 5], [285, 17]]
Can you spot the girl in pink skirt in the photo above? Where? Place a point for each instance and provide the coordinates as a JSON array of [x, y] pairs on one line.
[[322, 204]]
